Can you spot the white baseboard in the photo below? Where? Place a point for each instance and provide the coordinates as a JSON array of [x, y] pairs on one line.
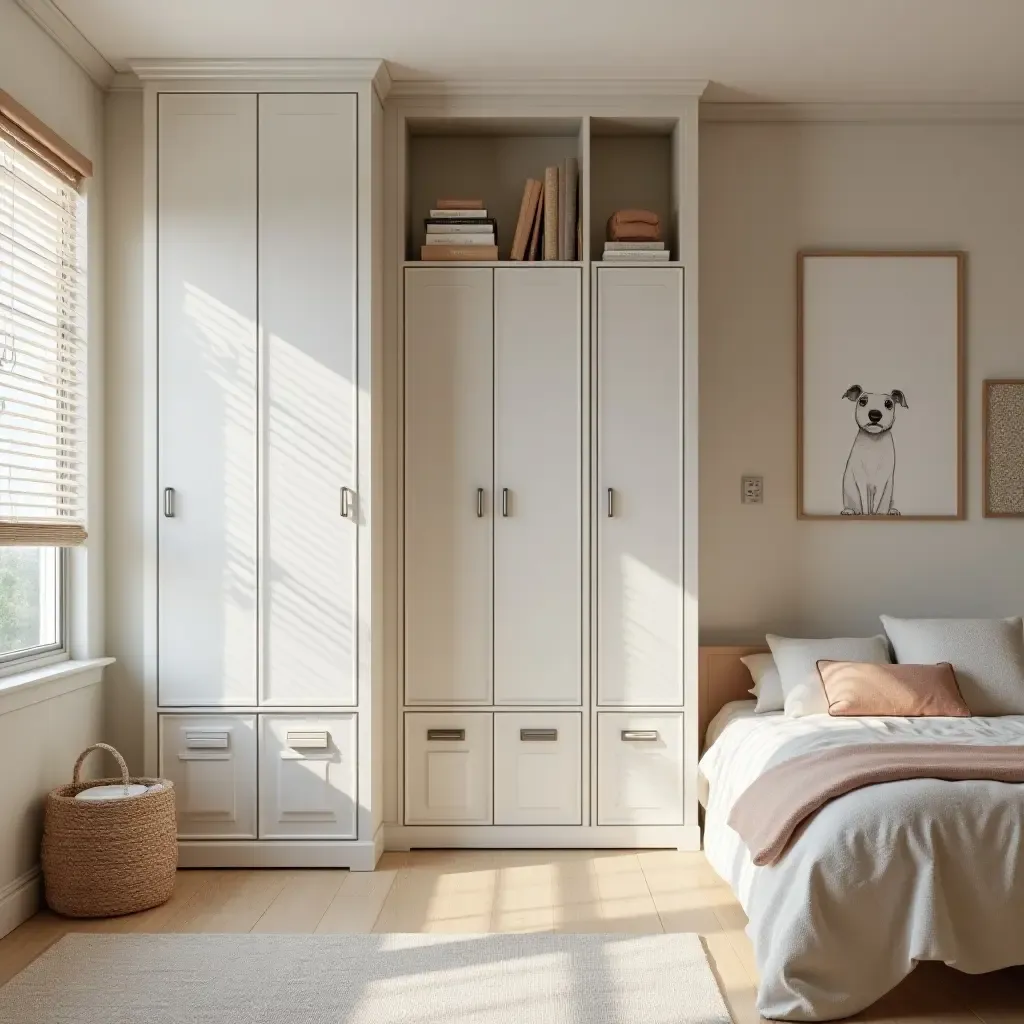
[[249, 853], [538, 837], [20, 900]]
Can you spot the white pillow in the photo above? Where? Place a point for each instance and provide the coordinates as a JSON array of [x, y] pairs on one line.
[[767, 686], [987, 656], [797, 662]]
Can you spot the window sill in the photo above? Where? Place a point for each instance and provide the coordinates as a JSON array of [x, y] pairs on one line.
[[38, 684]]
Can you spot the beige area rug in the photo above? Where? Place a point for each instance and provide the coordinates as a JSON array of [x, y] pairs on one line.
[[367, 979]]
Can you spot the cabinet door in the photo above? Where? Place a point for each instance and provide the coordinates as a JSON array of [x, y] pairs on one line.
[[308, 397], [639, 769], [206, 243], [448, 474], [537, 480], [538, 768], [211, 759], [308, 777], [448, 769], [639, 507]]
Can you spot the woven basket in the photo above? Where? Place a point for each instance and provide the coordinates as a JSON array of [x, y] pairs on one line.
[[109, 857]]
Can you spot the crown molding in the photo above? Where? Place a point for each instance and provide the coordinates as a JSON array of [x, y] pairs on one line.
[[863, 113], [49, 17], [125, 81], [548, 88], [285, 69]]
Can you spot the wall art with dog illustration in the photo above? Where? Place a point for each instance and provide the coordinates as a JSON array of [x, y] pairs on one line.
[[880, 354]]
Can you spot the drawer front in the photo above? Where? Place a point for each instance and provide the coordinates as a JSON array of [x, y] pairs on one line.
[[538, 769], [448, 769], [639, 769], [308, 777], [211, 759]]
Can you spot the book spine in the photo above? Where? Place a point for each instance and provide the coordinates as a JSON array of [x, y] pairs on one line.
[[563, 210], [443, 214], [460, 204], [458, 252], [572, 171], [634, 246], [537, 229], [551, 213], [455, 238], [634, 257], [460, 228], [519, 238]]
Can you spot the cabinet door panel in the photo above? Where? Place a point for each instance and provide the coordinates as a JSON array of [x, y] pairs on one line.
[[211, 759], [448, 769], [308, 777], [206, 223], [308, 396], [537, 530], [639, 769], [640, 472], [537, 768], [448, 459]]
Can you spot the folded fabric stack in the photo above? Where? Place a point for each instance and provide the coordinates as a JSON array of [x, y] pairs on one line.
[[634, 235]]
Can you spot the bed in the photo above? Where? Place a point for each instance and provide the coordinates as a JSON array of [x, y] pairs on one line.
[[879, 879]]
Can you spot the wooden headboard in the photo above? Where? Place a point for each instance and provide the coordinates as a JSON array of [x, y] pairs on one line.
[[722, 678]]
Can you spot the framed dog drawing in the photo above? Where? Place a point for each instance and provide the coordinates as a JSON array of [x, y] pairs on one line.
[[880, 347]]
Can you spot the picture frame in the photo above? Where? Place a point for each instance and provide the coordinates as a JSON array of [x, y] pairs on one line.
[[1003, 448], [880, 385]]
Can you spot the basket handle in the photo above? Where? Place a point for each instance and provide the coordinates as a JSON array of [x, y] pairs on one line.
[[125, 776]]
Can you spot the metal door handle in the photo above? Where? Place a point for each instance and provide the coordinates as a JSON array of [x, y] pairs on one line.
[[641, 735], [531, 735], [479, 503], [504, 501], [169, 502], [346, 503], [311, 740], [454, 735], [611, 502], [207, 739]]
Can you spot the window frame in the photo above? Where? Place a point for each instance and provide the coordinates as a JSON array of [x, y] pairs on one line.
[[45, 654]]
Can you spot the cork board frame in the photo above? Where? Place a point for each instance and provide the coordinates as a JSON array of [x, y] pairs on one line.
[[1003, 433]]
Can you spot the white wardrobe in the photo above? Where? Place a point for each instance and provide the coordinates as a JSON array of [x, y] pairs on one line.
[[543, 534], [262, 661]]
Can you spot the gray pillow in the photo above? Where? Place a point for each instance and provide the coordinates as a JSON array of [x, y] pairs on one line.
[[987, 656], [797, 662]]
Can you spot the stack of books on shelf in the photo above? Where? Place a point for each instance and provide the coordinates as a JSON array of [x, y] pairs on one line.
[[548, 223], [459, 229], [634, 236]]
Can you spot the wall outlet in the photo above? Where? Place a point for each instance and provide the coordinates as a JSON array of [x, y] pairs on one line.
[[752, 492]]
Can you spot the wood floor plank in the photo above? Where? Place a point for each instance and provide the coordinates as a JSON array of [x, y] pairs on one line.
[[523, 890]]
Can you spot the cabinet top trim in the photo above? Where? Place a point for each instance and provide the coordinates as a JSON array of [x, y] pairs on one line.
[[372, 70]]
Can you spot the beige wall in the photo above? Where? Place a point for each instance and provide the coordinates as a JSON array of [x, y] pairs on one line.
[[124, 455], [766, 191]]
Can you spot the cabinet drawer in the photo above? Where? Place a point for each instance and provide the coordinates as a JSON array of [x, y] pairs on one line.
[[639, 769], [211, 759], [308, 777], [448, 769], [537, 769]]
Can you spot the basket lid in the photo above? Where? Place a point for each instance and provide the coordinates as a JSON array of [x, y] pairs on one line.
[[111, 792]]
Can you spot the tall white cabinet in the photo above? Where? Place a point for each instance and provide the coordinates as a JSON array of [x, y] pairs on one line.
[[265, 359], [546, 483]]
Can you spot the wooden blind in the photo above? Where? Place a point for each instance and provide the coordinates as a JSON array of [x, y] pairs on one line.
[[42, 341]]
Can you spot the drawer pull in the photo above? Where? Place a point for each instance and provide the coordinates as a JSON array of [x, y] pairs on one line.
[[313, 740], [640, 735], [206, 739], [530, 735], [453, 735]]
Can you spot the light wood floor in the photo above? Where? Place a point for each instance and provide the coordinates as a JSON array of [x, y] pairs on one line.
[[517, 891]]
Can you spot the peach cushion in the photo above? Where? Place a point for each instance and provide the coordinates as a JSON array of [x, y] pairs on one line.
[[903, 691]]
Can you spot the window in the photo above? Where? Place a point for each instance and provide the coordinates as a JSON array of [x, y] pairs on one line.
[[42, 378]]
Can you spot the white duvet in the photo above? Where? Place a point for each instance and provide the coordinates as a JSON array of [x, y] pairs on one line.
[[879, 879]]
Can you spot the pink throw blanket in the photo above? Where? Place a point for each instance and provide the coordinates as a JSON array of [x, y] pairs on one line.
[[772, 808]]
